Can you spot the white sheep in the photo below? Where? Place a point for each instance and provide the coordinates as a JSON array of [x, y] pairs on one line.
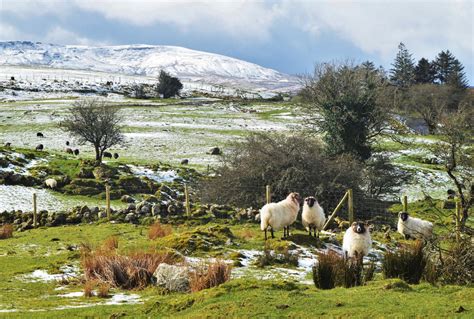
[[357, 241], [313, 217], [412, 227], [280, 215], [51, 182]]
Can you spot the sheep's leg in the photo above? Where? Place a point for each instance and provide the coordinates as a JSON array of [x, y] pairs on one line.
[[265, 234], [271, 230]]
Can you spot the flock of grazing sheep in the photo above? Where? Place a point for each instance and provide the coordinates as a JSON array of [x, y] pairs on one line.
[[357, 241], [40, 147]]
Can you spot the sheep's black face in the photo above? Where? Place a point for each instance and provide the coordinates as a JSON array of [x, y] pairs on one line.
[[358, 227], [403, 216], [310, 201]]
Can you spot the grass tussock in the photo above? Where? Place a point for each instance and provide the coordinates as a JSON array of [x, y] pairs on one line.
[[333, 270], [457, 267], [274, 254], [88, 288], [407, 263], [130, 271], [103, 290], [6, 231], [158, 230], [211, 275], [110, 243]]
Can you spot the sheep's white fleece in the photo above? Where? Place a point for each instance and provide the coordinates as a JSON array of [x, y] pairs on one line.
[[415, 227], [354, 242], [313, 216], [51, 182], [279, 215]]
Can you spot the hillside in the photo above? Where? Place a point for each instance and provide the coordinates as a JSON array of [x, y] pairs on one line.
[[144, 60]]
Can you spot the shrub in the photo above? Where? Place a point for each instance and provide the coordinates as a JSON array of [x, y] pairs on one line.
[[333, 270], [157, 230], [211, 275], [168, 85], [6, 231], [407, 263], [288, 163], [458, 264]]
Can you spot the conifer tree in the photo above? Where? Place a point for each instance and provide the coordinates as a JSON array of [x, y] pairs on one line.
[[403, 72]]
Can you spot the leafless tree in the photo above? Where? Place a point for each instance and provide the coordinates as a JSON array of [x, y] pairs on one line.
[[96, 122]]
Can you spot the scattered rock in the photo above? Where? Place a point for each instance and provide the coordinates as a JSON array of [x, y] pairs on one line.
[[215, 151], [127, 199], [172, 278]]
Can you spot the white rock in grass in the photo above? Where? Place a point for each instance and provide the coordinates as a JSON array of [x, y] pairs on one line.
[[173, 278]]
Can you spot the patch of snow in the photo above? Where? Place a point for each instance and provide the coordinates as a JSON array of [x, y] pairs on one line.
[[157, 176], [41, 275]]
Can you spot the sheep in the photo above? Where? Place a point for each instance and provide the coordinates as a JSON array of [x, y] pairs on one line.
[[281, 214], [76, 152], [412, 227], [313, 217], [357, 241], [116, 155], [185, 162], [69, 150], [67, 143], [39, 147], [107, 154], [51, 183], [39, 134], [8, 145]]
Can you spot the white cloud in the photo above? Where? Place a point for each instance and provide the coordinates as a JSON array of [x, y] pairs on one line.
[[58, 35], [9, 32], [238, 18], [376, 27], [25, 8]]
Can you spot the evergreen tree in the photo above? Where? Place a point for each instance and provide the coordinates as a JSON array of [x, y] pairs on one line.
[[403, 72], [457, 78], [168, 85], [425, 72], [444, 64]]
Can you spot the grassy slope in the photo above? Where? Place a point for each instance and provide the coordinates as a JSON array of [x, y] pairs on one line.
[[244, 297]]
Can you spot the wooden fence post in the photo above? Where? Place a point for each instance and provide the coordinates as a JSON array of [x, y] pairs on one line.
[[350, 206], [186, 198], [405, 203], [107, 200], [338, 207], [34, 210], [458, 219], [268, 194]]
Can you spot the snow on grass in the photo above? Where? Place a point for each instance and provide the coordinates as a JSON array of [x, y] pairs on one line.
[[157, 176], [41, 275], [16, 197]]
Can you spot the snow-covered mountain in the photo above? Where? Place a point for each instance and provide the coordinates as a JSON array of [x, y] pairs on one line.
[[147, 60]]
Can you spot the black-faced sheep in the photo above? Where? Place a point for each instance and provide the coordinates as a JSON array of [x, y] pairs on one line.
[[280, 215], [39, 147], [8, 145], [107, 154], [67, 143], [76, 152], [357, 241], [185, 162], [313, 217], [116, 155], [412, 227], [39, 134]]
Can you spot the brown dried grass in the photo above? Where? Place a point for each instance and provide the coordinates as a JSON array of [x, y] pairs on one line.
[[6, 231], [157, 230], [211, 275], [130, 271], [110, 243], [103, 290], [88, 288]]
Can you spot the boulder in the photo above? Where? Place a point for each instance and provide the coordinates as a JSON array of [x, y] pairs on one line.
[[215, 151], [127, 199], [172, 278]]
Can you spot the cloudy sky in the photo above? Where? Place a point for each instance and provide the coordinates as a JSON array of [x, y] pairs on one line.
[[287, 35]]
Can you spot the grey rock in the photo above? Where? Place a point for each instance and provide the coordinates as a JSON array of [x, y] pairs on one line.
[[172, 278]]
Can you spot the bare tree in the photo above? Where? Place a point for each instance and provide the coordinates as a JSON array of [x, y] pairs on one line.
[[430, 101], [455, 150], [95, 122]]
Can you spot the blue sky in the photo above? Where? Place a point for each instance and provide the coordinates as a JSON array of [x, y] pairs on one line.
[[289, 36]]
